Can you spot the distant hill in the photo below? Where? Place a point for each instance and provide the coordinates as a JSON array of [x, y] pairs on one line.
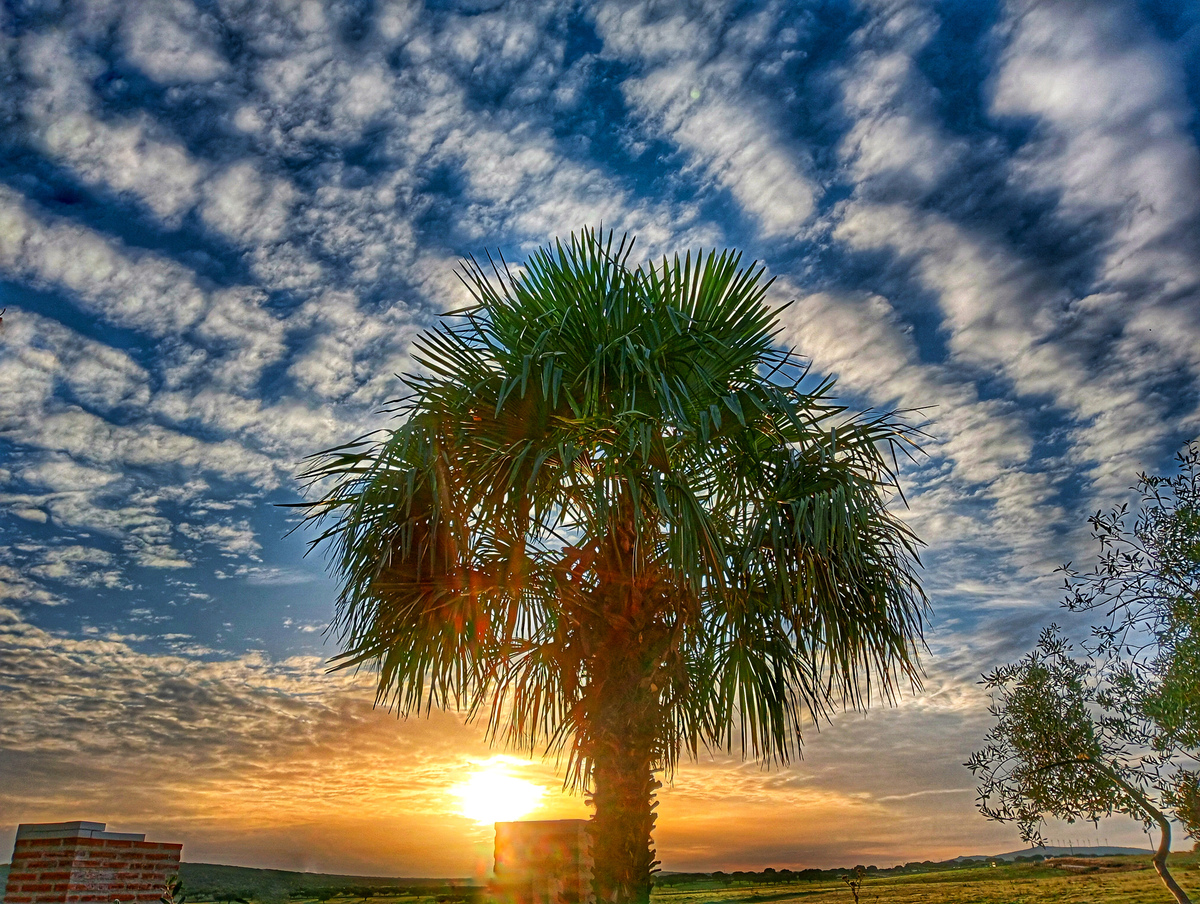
[[215, 882], [211, 881], [218, 882], [1064, 852]]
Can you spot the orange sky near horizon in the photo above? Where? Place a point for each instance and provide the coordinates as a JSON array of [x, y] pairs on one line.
[[280, 764]]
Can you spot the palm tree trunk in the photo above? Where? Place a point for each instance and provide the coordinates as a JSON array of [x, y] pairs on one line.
[[623, 794], [624, 732]]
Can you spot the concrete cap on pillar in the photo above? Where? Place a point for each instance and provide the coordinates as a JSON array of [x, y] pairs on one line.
[[78, 829]]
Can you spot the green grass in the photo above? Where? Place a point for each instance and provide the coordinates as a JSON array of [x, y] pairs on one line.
[[1004, 884], [1020, 883], [212, 882], [1122, 880]]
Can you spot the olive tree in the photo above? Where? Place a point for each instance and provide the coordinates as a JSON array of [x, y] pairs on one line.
[[1115, 726]]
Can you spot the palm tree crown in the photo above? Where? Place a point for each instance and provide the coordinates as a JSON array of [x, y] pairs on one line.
[[617, 522]]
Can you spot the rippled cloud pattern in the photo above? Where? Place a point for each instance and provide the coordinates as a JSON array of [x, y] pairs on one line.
[[223, 223]]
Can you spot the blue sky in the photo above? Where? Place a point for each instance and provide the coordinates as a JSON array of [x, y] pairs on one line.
[[223, 222]]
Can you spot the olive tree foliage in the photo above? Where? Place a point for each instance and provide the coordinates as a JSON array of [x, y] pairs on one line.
[[1146, 583], [1113, 727]]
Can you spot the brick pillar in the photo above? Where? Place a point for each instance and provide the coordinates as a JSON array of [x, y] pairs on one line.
[[546, 861], [80, 863]]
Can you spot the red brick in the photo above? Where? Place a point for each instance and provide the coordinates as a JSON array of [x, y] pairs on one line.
[[90, 871]]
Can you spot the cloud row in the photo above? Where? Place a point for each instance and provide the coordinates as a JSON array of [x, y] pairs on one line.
[[274, 196]]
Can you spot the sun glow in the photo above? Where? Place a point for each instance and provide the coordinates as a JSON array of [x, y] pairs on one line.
[[492, 794]]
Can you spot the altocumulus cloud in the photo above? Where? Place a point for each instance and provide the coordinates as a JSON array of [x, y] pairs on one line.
[[213, 749], [222, 225]]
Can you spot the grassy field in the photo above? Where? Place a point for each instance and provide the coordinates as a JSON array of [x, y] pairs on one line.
[[1122, 880], [1110, 880]]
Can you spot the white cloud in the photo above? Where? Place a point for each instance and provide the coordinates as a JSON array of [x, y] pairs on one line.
[[286, 431], [222, 341], [77, 497], [171, 41], [267, 576], [130, 289], [986, 443], [1112, 142], [233, 539], [367, 93], [47, 354], [77, 566], [246, 206], [123, 155], [895, 140], [1001, 314], [76, 471], [16, 587], [1110, 103], [245, 337], [704, 109]]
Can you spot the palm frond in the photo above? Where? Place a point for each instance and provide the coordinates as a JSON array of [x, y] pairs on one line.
[[598, 458]]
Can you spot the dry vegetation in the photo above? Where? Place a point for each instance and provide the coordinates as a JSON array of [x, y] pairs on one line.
[[1127, 880], [1094, 880]]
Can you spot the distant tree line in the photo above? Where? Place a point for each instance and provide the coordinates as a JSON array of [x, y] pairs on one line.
[[444, 894], [239, 885], [772, 876]]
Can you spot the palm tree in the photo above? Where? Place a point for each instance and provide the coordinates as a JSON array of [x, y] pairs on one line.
[[617, 523]]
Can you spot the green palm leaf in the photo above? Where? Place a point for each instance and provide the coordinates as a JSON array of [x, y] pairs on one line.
[[614, 527]]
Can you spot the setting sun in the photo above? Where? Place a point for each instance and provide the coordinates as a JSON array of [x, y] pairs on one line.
[[491, 795]]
